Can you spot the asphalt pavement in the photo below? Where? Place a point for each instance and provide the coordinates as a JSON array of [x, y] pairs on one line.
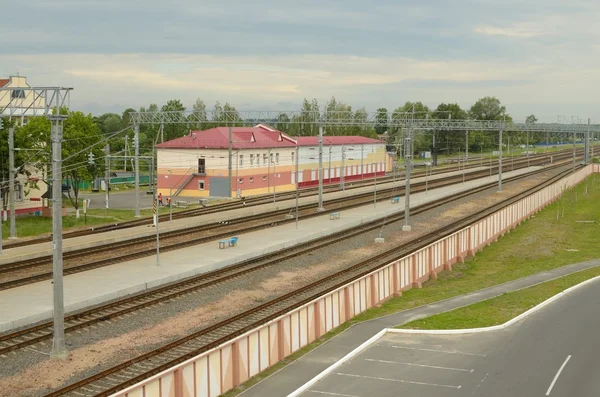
[[553, 352], [119, 199], [297, 373]]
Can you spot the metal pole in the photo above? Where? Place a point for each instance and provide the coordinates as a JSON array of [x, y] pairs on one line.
[[152, 185], [1, 203], [11, 181], [59, 350], [587, 144], [362, 172], [408, 166], [434, 154], [426, 184], [136, 144], [343, 174], [170, 196], [500, 163], [467, 149], [592, 145], [573, 151], [320, 208], [329, 172], [107, 178], [125, 162], [297, 188], [527, 145], [269, 171], [274, 180], [157, 236], [229, 166], [375, 190]]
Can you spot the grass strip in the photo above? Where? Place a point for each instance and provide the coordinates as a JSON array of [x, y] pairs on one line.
[[498, 310]]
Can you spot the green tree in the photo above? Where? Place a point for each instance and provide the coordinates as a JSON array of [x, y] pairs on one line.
[[125, 117], [25, 161], [305, 121], [338, 118], [198, 115], [80, 134], [232, 115], [381, 121], [172, 130], [450, 141], [531, 119], [488, 108], [282, 123], [452, 109]]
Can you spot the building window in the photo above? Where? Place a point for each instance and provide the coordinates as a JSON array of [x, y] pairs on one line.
[[293, 162], [264, 177], [277, 158], [271, 157], [18, 191], [241, 160], [265, 158], [18, 94], [251, 179], [251, 159], [200, 185], [240, 180]]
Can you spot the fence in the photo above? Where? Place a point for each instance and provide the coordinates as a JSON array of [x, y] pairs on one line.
[[222, 368]]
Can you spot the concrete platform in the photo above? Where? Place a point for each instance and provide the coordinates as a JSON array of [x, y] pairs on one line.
[[44, 249], [27, 304]]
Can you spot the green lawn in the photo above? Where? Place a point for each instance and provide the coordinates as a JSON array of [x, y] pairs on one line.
[[539, 244], [501, 309], [28, 226]]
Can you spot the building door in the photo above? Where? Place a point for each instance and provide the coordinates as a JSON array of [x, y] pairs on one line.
[[219, 187], [201, 166]]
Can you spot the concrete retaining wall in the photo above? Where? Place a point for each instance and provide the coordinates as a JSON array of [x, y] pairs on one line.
[[220, 369]]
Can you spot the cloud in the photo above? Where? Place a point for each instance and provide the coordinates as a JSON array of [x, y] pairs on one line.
[[513, 31], [266, 53]]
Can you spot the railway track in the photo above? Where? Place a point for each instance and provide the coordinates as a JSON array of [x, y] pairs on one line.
[[113, 379], [18, 273], [33, 335], [266, 199]]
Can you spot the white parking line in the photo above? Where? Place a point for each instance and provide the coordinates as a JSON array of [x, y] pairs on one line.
[[438, 351], [331, 394], [400, 381], [557, 375], [420, 365]]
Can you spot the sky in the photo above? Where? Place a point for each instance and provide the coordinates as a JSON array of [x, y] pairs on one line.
[[537, 56]]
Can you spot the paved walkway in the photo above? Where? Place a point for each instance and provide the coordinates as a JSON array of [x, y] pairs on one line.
[[27, 304], [311, 364]]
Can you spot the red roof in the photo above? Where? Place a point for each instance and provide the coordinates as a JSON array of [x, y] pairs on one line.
[[4, 82], [242, 138], [336, 140]]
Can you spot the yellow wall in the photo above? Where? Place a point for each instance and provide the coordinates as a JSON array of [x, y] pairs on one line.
[[29, 101]]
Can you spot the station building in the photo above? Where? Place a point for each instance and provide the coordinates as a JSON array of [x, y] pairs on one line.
[[263, 159]]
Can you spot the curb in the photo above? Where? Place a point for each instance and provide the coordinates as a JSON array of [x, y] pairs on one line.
[[495, 327], [341, 361]]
